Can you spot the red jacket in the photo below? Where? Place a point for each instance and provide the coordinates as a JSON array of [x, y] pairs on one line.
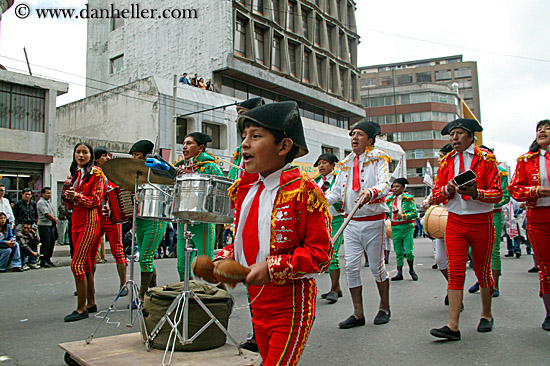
[[89, 196], [298, 246], [526, 179], [484, 166]]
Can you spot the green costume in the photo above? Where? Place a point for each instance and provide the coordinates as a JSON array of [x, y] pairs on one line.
[[203, 239], [149, 234], [237, 159], [495, 262], [402, 230], [337, 213]]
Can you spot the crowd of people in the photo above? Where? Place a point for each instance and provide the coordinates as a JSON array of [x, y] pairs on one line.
[[197, 82]]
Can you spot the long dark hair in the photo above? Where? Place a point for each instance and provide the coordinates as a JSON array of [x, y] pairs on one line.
[[535, 146], [4, 227], [87, 168]]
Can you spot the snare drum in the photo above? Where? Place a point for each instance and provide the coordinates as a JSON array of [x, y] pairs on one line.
[[155, 202], [203, 198]]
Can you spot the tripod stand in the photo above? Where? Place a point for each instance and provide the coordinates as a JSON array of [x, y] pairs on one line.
[[180, 308], [130, 284]]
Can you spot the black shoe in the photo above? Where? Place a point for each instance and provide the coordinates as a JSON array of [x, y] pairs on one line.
[[324, 296], [340, 294], [518, 255], [386, 261], [446, 333], [382, 317], [250, 345], [397, 277], [446, 301], [51, 264], [92, 309], [332, 297], [17, 269], [124, 292], [45, 265], [414, 276], [485, 325], [546, 324], [367, 264], [351, 322], [509, 255], [75, 293], [474, 288], [435, 266], [533, 270], [75, 315]]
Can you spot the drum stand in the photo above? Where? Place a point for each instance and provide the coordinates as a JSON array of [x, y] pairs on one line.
[[180, 308], [130, 284]]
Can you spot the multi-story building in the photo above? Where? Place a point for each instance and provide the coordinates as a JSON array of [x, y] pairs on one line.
[[413, 100], [27, 130]]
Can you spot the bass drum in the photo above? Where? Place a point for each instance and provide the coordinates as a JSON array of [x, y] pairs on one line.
[[435, 222]]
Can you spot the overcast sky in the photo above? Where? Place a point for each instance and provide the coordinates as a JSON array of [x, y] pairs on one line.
[[508, 39]]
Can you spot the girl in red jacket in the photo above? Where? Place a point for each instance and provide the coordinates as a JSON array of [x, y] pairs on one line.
[[84, 196]]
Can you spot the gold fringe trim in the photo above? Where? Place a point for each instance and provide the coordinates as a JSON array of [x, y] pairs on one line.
[[314, 199], [235, 154], [233, 190]]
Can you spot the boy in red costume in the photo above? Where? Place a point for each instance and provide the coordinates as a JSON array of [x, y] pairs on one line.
[[470, 220], [282, 231]]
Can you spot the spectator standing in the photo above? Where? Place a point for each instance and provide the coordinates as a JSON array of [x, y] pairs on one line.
[[28, 243], [5, 205], [201, 84], [46, 227], [25, 210], [184, 80], [63, 224], [209, 85], [195, 80]]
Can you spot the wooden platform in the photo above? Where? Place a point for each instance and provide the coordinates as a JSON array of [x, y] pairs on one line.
[[129, 349]]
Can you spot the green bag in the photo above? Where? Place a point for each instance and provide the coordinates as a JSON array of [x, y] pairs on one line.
[[158, 300]]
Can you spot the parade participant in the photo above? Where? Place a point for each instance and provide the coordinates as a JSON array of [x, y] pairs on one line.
[[364, 177], [149, 233], [85, 193], [113, 231], [288, 241], [201, 162], [470, 220], [531, 184], [496, 265], [402, 216], [326, 179], [237, 158]]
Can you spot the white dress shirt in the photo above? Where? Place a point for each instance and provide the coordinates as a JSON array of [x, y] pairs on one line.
[[457, 204], [330, 178], [5, 207], [267, 199], [543, 174]]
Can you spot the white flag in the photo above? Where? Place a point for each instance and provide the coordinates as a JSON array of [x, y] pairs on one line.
[[396, 173], [428, 176]]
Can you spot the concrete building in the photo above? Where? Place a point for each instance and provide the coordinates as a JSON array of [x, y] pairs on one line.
[[412, 101], [27, 130]]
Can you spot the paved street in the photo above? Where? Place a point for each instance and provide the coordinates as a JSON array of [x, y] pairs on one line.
[[34, 303]]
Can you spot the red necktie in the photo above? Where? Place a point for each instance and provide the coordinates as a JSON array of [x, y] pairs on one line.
[[251, 242], [355, 184], [460, 171], [324, 179]]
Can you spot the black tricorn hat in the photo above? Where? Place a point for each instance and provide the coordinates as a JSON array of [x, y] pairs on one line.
[[251, 103], [370, 128], [446, 149], [331, 158], [402, 181], [465, 123], [282, 116], [201, 138], [143, 146]]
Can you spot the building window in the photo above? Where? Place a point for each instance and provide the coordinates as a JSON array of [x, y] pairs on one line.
[[22, 107], [339, 9], [424, 77], [327, 149], [341, 40], [292, 55], [404, 79], [443, 75], [258, 6], [213, 131], [305, 23], [117, 64], [368, 83], [330, 32], [320, 73], [116, 23], [463, 72], [240, 37], [331, 76], [306, 69], [276, 53], [342, 81], [350, 17], [259, 45], [277, 11], [290, 16], [386, 81], [318, 24], [181, 129]]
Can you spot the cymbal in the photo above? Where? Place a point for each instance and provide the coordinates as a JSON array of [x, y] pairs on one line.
[[122, 172]]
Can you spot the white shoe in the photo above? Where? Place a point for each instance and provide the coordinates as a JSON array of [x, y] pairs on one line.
[[34, 266], [26, 267]]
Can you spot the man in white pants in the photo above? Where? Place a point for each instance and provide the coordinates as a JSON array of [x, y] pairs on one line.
[[364, 176]]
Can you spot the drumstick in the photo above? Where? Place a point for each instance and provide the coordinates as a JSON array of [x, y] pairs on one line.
[[233, 165]]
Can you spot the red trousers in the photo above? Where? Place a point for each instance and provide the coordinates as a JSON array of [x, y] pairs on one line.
[[464, 231], [85, 232], [283, 317], [538, 232], [114, 235]]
